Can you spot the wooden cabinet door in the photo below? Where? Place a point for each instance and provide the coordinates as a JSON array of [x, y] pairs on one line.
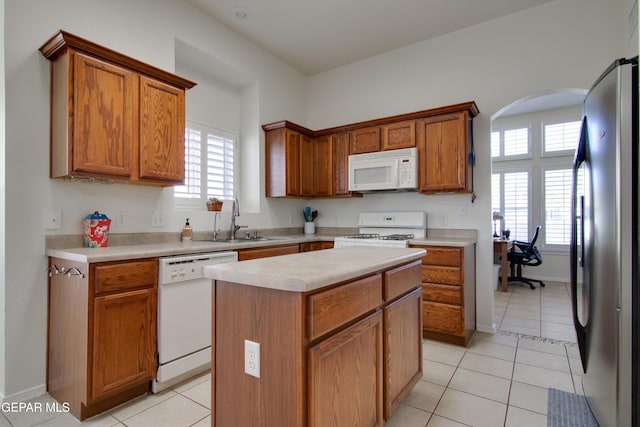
[[399, 135], [124, 341], [345, 376], [161, 152], [323, 182], [307, 166], [104, 121], [403, 349], [443, 153], [340, 145], [292, 163], [365, 140]]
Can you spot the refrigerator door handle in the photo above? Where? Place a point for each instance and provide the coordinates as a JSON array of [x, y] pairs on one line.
[[578, 216]]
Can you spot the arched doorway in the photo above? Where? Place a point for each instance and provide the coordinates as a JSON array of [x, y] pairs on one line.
[[533, 140]]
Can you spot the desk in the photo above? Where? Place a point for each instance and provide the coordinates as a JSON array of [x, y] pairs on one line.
[[501, 247]]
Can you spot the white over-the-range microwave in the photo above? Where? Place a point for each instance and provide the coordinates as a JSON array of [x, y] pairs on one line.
[[393, 170]]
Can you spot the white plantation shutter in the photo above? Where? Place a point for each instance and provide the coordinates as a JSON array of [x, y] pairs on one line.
[[219, 167], [561, 137], [209, 164], [557, 204], [516, 204], [516, 142], [496, 193], [192, 165]]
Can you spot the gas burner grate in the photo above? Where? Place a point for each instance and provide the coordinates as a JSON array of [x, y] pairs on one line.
[[398, 237], [363, 236]]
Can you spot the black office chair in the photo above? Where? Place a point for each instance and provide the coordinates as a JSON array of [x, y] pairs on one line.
[[528, 255]]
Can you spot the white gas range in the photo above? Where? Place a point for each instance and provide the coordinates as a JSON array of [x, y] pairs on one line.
[[387, 229]]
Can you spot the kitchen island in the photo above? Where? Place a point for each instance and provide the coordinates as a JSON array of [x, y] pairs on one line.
[[332, 337]]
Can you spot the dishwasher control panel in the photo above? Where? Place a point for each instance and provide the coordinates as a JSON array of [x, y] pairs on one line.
[[189, 267]]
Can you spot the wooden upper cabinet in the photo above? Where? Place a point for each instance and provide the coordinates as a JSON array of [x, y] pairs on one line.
[[304, 163], [399, 135], [444, 148], [112, 116], [365, 140], [323, 155], [161, 131]]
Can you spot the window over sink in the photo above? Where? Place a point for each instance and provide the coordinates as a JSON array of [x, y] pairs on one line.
[[209, 159]]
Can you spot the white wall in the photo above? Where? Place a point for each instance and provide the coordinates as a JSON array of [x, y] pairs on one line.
[[562, 44], [148, 30], [494, 64]]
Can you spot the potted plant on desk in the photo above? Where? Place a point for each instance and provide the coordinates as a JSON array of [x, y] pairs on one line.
[[214, 204]]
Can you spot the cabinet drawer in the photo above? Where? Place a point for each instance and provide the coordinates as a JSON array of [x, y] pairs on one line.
[[445, 256], [445, 318], [335, 307], [255, 253], [449, 294], [120, 276], [445, 275], [402, 279]]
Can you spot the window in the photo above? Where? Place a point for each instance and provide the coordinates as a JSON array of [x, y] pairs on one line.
[[557, 203], [557, 206], [510, 195], [510, 143], [561, 137], [209, 164]]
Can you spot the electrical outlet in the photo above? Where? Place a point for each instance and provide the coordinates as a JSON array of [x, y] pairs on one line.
[[157, 220], [252, 358], [121, 218], [54, 221]]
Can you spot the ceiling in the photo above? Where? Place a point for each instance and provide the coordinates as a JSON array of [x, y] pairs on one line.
[[315, 36]]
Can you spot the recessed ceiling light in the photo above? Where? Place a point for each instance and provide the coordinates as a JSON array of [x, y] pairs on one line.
[[240, 12]]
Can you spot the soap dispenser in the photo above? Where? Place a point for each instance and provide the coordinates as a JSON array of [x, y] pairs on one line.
[[187, 232]]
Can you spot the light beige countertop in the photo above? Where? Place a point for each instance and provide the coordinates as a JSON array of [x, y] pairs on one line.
[[149, 250], [308, 271], [117, 253]]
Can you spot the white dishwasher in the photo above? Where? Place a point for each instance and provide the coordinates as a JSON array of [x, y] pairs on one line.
[[184, 316]]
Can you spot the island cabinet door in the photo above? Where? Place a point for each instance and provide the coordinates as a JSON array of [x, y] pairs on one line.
[[403, 349], [345, 376]]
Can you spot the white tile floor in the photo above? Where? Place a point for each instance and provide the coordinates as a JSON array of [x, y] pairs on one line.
[[540, 312], [498, 380]]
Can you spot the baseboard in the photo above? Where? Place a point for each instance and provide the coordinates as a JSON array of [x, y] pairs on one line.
[[487, 329], [25, 394], [548, 278]]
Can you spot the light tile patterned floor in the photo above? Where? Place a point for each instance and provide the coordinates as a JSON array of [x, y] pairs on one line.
[[498, 380]]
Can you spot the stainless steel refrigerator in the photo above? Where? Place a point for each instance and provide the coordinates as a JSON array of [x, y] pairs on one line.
[[604, 246]]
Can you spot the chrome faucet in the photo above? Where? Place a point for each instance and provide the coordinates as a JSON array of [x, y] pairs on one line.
[[235, 211]]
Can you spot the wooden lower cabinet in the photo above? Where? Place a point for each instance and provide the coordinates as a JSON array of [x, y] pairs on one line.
[[448, 293], [102, 333], [344, 355], [334, 366]]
